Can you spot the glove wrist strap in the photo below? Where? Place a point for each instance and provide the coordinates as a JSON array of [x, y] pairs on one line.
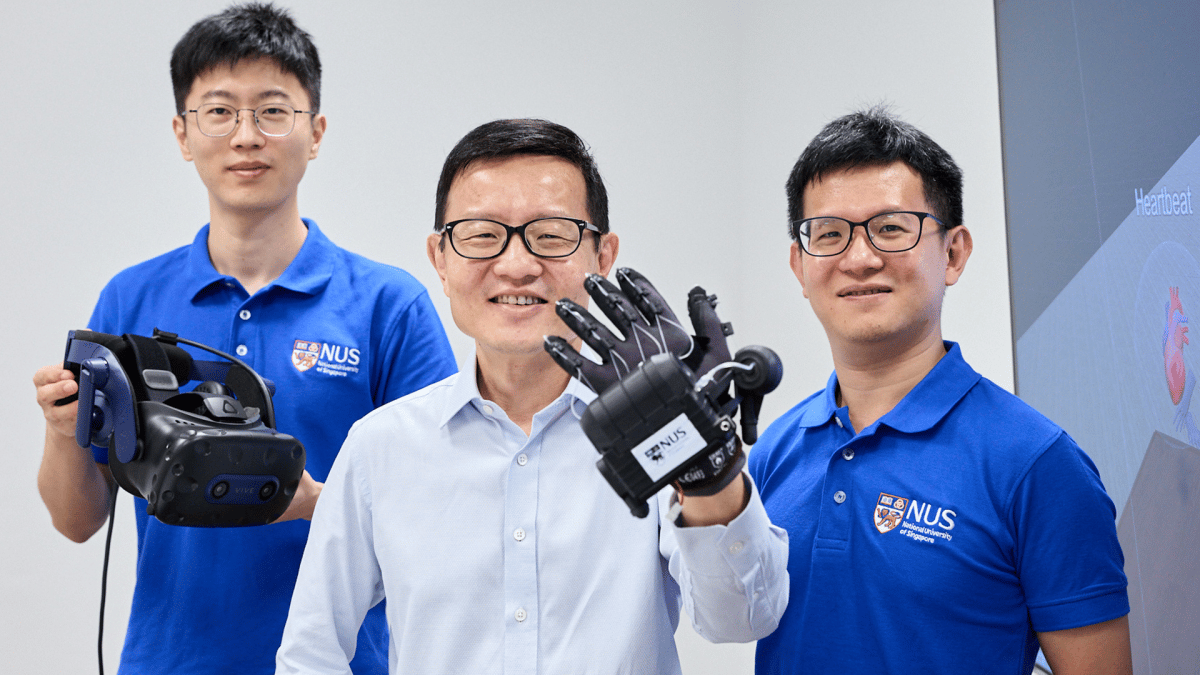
[[731, 470]]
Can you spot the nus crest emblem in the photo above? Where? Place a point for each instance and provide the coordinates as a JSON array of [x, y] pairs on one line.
[[889, 511], [304, 354]]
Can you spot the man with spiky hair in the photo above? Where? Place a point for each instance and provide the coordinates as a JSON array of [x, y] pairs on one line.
[[261, 282], [937, 523]]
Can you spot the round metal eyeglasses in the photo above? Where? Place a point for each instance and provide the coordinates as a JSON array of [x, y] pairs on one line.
[[544, 237], [890, 232], [272, 119]]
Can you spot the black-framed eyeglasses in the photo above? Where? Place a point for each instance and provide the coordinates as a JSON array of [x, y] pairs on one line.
[[891, 232], [480, 239], [272, 119]]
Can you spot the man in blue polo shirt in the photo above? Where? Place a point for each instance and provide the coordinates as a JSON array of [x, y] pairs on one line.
[[937, 524], [338, 334]]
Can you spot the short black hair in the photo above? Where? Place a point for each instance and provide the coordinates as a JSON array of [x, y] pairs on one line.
[[871, 137], [502, 139], [249, 31]]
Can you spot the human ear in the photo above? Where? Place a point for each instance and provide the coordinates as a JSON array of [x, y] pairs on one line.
[[796, 260], [179, 127], [437, 255], [318, 123], [609, 246], [958, 249]]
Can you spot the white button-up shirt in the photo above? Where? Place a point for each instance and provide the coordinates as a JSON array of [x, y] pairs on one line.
[[499, 552]]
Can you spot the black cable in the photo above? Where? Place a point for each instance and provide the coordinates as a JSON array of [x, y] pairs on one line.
[[268, 408], [112, 515]]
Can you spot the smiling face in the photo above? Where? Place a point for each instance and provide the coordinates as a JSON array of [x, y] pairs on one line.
[[248, 173], [866, 298], [507, 303]]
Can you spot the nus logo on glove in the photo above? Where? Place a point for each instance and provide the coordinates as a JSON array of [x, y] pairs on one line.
[[675, 443], [656, 453]]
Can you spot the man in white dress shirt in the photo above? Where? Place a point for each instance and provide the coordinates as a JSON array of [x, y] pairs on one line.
[[474, 505]]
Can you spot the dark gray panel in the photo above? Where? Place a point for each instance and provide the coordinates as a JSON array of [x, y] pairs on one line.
[[1159, 531]]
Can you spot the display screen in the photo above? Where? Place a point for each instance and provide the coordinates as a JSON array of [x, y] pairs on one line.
[[1100, 116]]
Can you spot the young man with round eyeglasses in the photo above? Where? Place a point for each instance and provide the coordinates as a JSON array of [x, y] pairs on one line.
[[497, 544], [937, 523], [339, 335]]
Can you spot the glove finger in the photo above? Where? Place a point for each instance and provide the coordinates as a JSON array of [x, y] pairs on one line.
[[595, 376], [612, 302], [712, 348], [564, 355], [643, 295], [665, 333], [582, 323]]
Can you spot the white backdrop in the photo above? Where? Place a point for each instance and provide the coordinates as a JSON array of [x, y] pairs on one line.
[[695, 110]]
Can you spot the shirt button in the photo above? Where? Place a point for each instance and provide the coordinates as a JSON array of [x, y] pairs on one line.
[[522, 459], [520, 615], [241, 350], [244, 314], [839, 496], [848, 454], [487, 410], [838, 420], [736, 547], [519, 535]]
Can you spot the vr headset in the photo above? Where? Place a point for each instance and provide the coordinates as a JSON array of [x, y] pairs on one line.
[[209, 457]]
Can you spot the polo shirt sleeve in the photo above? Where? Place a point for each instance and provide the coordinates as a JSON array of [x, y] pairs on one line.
[[1067, 553], [339, 578], [734, 577], [414, 349], [106, 314]]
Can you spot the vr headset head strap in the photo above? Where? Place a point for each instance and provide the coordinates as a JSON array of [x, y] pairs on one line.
[[157, 374], [248, 387]]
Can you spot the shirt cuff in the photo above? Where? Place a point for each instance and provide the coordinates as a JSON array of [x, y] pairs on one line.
[[713, 550], [1103, 605]]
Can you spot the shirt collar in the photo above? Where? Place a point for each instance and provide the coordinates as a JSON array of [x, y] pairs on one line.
[[935, 394], [928, 402], [465, 391], [824, 407], [308, 273]]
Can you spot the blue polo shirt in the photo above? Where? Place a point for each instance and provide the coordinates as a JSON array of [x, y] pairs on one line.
[[339, 335], [938, 539]]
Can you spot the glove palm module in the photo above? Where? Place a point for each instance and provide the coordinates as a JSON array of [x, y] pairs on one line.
[[664, 412]]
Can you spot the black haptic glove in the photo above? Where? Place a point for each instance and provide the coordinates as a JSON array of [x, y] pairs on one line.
[[664, 413], [654, 428], [647, 325]]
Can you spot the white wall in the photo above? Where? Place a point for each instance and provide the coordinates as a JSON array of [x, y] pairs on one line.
[[696, 112]]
